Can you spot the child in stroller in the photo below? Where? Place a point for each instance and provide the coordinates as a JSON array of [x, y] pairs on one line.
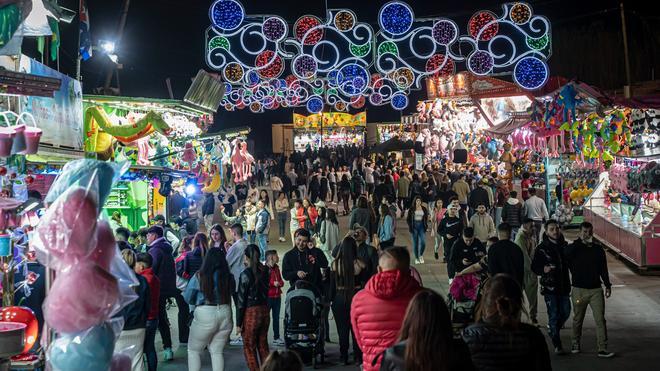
[[304, 327]]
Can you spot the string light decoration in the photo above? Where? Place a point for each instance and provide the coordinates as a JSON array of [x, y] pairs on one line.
[[344, 20], [308, 30], [531, 73], [520, 13], [483, 26], [269, 64], [333, 62]]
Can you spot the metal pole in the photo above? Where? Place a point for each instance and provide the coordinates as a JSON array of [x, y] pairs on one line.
[[78, 60], [627, 87], [120, 33]]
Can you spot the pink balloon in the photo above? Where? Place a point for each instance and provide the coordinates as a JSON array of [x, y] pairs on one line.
[[120, 362], [80, 298], [106, 246], [69, 225]]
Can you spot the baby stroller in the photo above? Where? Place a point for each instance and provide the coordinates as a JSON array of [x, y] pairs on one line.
[[304, 328], [463, 296]]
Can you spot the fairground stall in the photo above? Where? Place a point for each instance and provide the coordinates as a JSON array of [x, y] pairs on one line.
[[328, 130]]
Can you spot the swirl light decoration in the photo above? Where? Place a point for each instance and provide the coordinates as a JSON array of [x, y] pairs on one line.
[[341, 62]]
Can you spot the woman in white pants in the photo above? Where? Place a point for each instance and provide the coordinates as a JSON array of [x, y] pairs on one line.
[[131, 339], [210, 291]]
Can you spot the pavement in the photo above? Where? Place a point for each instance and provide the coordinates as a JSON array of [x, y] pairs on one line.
[[632, 314]]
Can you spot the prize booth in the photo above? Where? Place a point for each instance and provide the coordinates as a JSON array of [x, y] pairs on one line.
[[328, 130]]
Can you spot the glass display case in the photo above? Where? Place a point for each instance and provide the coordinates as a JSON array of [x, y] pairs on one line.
[[630, 230]]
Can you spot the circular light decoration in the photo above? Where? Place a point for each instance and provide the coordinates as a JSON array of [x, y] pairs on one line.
[[376, 99], [360, 50], [358, 102], [276, 84], [376, 81], [388, 47], [480, 62], [226, 15], [344, 20], [229, 107], [531, 73], [269, 65], [228, 88], [478, 26], [233, 72], [340, 106], [332, 78], [255, 107], [274, 29], [219, 42], [404, 77], [315, 105], [353, 79], [399, 101], [396, 18], [538, 43], [252, 78], [302, 27], [444, 32], [520, 13], [269, 102], [304, 66], [433, 65]]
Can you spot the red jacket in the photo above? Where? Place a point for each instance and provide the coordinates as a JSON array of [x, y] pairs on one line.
[[377, 313], [275, 276], [154, 292], [313, 215]]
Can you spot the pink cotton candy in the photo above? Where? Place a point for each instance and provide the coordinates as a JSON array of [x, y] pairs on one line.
[[80, 298], [68, 227], [106, 246]]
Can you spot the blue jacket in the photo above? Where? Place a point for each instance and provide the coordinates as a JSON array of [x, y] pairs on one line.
[[386, 229], [263, 222], [163, 266]]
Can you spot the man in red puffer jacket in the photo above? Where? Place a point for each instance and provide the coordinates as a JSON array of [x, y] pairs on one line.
[[377, 311]]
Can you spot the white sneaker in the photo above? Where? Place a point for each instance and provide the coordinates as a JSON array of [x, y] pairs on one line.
[[237, 342], [416, 261], [282, 239], [278, 342], [421, 259]]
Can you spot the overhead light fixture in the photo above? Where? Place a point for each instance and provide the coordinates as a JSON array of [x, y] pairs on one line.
[[108, 47]]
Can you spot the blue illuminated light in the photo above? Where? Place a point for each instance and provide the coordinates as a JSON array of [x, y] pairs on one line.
[[227, 15], [530, 73], [315, 105], [396, 18]]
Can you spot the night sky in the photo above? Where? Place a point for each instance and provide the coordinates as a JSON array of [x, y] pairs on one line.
[[165, 38]]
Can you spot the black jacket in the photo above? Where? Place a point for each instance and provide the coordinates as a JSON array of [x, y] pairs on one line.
[[588, 265], [450, 225], [458, 357], [461, 251], [251, 293], [192, 262], [512, 214], [208, 207], [507, 257], [415, 189], [557, 281], [135, 313], [494, 348], [479, 196], [309, 261], [411, 218], [430, 194]]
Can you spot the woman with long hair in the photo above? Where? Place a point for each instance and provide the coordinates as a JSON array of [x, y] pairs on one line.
[[499, 331], [282, 209], [263, 196], [194, 260], [386, 232], [210, 291], [343, 285], [253, 316], [329, 233], [436, 218], [418, 218], [345, 192], [307, 215], [426, 339], [217, 237]]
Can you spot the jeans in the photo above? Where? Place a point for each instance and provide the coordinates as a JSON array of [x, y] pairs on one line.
[[251, 236], [594, 298], [559, 309], [262, 239], [150, 346], [344, 198], [210, 329], [164, 323], [274, 304], [281, 222], [419, 239], [333, 191], [438, 244]]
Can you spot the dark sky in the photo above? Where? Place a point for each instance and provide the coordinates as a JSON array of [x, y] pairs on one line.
[[165, 38]]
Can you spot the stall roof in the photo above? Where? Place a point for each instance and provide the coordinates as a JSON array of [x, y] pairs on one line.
[[516, 121], [393, 145], [152, 104]]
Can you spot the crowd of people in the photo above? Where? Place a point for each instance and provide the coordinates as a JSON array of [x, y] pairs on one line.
[[229, 284]]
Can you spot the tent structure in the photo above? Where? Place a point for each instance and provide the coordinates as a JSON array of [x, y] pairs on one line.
[[393, 145]]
